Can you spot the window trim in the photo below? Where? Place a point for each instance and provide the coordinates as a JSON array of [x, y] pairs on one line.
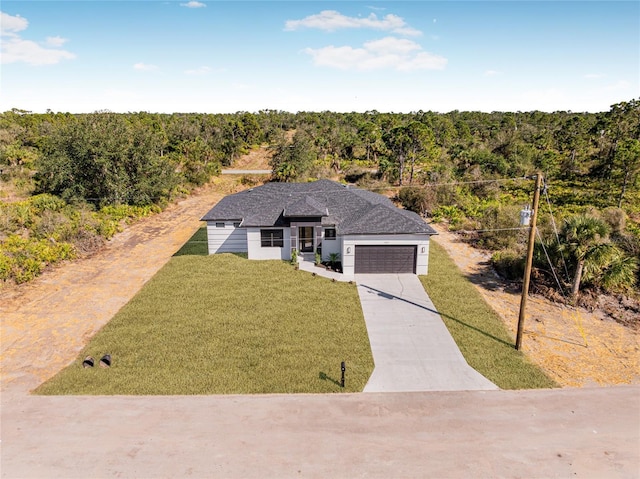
[[272, 238], [332, 237]]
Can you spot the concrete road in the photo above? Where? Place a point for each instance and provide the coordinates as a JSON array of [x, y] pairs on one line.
[[412, 348], [585, 433]]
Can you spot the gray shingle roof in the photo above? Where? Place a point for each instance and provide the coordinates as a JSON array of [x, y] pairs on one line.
[[306, 206], [351, 210]]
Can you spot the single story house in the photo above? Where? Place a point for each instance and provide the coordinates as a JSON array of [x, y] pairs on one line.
[[366, 229]]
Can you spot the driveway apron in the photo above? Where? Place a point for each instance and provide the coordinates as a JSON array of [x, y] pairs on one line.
[[412, 349]]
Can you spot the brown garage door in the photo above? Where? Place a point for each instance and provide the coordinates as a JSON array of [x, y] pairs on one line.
[[385, 259]]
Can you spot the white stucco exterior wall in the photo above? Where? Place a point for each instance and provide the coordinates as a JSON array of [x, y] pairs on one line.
[[226, 240], [349, 243], [256, 251], [331, 246]]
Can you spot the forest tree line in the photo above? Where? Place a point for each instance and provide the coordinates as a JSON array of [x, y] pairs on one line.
[[438, 164]]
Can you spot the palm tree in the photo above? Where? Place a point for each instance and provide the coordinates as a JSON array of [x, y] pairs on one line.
[[610, 268], [585, 237]]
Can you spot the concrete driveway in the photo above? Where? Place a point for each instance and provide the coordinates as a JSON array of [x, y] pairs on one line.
[[412, 348]]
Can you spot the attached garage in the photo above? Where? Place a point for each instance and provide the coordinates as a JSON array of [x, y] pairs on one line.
[[389, 259]]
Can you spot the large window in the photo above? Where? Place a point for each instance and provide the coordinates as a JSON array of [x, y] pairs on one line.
[[330, 233], [271, 238]]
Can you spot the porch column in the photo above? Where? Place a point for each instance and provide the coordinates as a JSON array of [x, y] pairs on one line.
[[318, 237], [293, 237]]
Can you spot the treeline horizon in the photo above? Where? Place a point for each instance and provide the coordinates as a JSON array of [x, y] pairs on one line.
[[418, 147]]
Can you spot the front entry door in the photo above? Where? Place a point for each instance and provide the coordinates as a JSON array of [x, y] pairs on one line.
[[305, 233]]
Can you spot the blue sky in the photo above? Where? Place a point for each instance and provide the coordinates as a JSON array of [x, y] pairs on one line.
[[393, 56]]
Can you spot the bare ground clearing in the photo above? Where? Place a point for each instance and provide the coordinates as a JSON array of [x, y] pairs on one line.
[[257, 159]]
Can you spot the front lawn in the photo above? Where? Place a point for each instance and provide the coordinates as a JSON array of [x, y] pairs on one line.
[[476, 328], [225, 325]]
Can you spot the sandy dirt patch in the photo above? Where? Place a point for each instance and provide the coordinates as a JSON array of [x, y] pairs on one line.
[[257, 159], [574, 346]]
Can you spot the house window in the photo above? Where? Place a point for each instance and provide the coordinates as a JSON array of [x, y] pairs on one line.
[[271, 238], [330, 234], [219, 225], [236, 224]]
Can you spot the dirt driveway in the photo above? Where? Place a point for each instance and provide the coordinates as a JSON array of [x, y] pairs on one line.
[[46, 323]]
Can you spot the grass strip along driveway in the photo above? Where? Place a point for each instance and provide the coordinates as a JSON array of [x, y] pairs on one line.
[[477, 330], [222, 324]]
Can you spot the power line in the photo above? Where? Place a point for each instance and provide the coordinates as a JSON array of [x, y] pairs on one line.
[[497, 180], [555, 230], [490, 230], [553, 270]]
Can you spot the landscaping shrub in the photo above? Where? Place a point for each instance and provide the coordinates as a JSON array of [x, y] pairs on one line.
[[509, 264]]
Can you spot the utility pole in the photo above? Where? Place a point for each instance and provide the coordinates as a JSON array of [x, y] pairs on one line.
[[529, 261]]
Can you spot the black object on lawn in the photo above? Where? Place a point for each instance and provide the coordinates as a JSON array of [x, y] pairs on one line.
[[88, 362], [343, 368], [105, 361]]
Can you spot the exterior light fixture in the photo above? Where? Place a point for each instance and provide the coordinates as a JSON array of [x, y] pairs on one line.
[[348, 249]]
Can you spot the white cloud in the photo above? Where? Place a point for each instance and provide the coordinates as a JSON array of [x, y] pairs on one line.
[[331, 20], [144, 67], [193, 4], [386, 53], [619, 85], [198, 71], [10, 24], [56, 41], [15, 49], [492, 73]]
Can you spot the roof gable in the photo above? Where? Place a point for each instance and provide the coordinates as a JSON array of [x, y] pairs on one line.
[[306, 206]]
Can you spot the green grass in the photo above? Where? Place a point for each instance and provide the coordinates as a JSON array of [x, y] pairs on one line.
[[197, 244], [477, 329], [222, 324]]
